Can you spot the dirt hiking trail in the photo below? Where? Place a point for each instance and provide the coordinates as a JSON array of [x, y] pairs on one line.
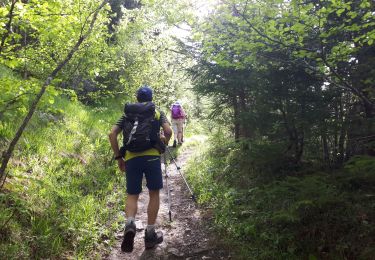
[[189, 235]]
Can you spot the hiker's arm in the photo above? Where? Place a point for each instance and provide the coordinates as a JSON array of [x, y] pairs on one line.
[[167, 130], [114, 144], [166, 126], [184, 114], [113, 140]]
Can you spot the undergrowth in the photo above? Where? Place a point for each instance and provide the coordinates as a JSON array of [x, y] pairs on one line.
[[63, 194], [266, 209]]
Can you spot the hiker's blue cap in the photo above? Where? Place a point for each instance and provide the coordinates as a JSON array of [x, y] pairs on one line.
[[144, 94]]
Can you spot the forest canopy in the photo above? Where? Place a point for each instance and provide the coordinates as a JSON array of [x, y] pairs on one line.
[[293, 71]]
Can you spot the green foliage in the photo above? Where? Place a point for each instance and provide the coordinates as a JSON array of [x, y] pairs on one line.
[[299, 215], [45, 33], [292, 71], [360, 165], [63, 194], [143, 52]]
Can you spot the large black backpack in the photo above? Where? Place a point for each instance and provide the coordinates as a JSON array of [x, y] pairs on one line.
[[141, 128]]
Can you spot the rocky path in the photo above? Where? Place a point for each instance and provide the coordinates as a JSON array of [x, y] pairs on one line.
[[188, 236]]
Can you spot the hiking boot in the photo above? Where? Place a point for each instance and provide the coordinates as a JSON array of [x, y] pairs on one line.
[[129, 234], [174, 143], [151, 240]]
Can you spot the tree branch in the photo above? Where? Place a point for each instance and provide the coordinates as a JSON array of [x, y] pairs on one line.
[[6, 156], [263, 35], [8, 25]]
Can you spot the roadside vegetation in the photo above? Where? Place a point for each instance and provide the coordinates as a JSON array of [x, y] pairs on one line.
[[63, 195], [289, 167], [265, 208]]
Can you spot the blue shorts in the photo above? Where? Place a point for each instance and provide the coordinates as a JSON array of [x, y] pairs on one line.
[[136, 167]]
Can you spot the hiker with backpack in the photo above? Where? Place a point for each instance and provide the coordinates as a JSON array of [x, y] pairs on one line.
[[140, 154], [178, 120]]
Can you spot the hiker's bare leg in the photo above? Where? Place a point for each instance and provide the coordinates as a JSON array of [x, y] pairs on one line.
[[131, 205], [175, 131], [153, 206], [180, 131], [179, 137]]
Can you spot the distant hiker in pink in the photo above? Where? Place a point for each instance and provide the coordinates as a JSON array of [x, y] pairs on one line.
[[178, 119]]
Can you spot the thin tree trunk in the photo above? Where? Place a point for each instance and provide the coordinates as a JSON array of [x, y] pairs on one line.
[[24, 53], [325, 146], [8, 25], [300, 145], [340, 157], [244, 132], [336, 137], [289, 129], [236, 119], [6, 156]]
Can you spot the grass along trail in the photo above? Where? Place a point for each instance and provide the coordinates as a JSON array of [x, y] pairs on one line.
[[188, 236]]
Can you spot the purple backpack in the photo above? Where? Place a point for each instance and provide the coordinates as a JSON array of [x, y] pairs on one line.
[[177, 112]]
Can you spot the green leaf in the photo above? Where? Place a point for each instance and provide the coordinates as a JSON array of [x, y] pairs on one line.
[[340, 11], [312, 257]]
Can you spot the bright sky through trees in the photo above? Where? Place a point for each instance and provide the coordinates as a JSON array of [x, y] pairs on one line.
[[201, 10]]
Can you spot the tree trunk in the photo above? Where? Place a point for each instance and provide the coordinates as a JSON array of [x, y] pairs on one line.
[[236, 119], [325, 146], [300, 146], [243, 131], [336, 134], [340, 156], [8, 25]]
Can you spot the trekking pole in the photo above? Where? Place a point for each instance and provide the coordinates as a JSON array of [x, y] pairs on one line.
[[166, 182], [183, 177], [184, 127]]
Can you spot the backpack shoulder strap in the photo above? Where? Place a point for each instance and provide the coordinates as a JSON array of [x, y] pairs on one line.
[[157, 114]]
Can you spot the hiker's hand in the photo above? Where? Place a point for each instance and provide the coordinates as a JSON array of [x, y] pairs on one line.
[[163, 139], [121, 164]]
